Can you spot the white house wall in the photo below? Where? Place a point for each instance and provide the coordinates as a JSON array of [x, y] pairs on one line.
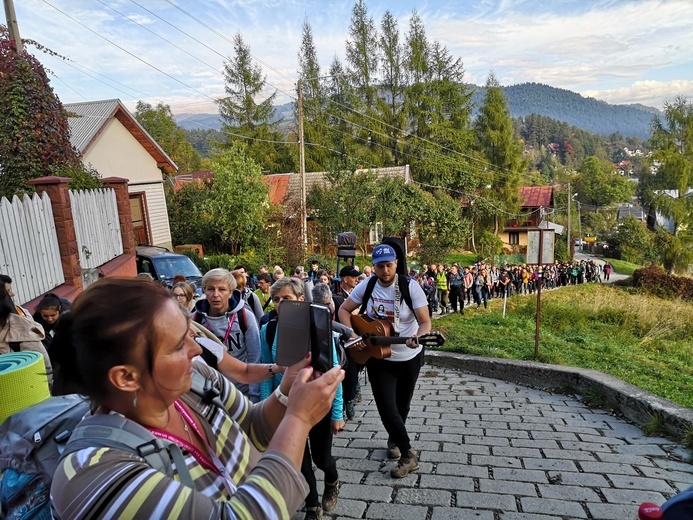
[[116, 153]]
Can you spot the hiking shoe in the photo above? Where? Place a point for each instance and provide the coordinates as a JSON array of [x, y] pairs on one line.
[[350, 410], [330, 496], [406, 464], [313, 513], [393, 451]]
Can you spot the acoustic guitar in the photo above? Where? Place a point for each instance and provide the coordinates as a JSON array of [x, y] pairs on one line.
[[377, 335]]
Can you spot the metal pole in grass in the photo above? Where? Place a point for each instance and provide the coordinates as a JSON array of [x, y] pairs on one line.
[[538, 323]]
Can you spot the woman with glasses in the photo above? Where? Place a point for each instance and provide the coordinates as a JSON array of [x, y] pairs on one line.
[[184, 294]]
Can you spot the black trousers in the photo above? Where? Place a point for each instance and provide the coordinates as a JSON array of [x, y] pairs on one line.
[[319, 449], [393, 384], [456, 295], [350, 385]]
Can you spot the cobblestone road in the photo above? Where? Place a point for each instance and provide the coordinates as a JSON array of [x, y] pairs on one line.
[[496, 450]]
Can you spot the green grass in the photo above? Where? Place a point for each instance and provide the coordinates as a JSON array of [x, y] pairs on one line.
[[461, 259], [623, 267], [643, 340]]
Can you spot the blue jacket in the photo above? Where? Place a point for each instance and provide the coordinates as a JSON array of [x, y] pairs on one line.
[[269, 355]]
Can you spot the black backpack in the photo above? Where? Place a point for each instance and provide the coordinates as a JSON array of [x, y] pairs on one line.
[[34, 440]]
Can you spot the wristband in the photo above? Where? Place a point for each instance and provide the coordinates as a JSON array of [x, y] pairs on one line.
[[271, 371], [283, 399]]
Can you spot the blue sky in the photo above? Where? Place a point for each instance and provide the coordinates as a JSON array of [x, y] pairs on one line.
[[620, 51]]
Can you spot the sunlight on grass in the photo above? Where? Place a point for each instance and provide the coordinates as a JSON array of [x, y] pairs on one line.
[[623, 267], [643, 340]]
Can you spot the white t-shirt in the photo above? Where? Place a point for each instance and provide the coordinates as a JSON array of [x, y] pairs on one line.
[[382, 306]]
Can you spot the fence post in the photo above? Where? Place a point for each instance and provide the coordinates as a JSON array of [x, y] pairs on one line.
[[56, 187], [120, 186]]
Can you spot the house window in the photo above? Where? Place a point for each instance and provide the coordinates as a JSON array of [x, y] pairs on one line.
[[514, 238]]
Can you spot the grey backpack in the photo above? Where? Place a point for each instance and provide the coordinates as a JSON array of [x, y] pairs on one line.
[[34, 440]]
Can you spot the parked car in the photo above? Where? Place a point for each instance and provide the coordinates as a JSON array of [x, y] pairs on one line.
[[163, 265]]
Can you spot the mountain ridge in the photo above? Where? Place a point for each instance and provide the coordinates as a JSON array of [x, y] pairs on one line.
[[587, 113]]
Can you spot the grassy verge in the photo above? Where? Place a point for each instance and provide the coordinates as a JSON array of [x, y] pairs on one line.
[[643, 340], [623, 267]]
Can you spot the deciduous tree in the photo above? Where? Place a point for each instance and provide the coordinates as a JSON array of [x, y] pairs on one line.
[[159, 123], [34, 134], [598, 184]]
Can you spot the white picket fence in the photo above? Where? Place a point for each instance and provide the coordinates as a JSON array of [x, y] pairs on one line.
[[29, 246], [97, 226]]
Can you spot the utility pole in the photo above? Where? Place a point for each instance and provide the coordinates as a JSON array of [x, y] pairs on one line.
[[567, 242], [12, 26], [302, 166], [579, 225]]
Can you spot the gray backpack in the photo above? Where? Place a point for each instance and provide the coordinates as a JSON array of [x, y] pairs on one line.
[[34, 441]]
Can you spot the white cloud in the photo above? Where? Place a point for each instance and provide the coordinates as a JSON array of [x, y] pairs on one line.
[[650, 93], [620, 51]]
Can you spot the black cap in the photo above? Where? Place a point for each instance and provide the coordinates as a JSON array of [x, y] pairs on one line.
[[348, 270]]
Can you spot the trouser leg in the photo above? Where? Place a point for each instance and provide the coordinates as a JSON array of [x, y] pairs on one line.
[[393, 383]]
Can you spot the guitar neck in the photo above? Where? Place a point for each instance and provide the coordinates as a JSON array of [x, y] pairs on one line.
[[386, 340]]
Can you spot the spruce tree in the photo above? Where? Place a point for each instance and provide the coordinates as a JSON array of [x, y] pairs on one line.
[[502, 151], [315, 116], [247, 119]]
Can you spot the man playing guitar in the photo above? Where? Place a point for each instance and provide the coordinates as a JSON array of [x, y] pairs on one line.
[[393, 379]]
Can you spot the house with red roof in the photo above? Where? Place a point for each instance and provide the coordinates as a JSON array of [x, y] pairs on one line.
[[536, 207]]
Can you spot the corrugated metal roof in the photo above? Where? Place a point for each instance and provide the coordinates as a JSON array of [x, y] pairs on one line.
[[87, 120]]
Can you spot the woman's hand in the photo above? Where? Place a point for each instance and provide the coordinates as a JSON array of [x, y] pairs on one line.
[[311, 397], [337, 426], [290, 374]]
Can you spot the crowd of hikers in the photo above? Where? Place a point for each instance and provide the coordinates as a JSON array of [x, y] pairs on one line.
[[452, 288], [239, 445]]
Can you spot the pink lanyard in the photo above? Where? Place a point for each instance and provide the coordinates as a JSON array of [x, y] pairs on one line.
[[228, 330], [211, 462]]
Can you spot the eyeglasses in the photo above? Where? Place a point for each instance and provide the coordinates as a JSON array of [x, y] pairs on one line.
[[179, 296]]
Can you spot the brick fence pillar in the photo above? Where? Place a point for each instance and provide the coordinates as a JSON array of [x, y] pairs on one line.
[[56, 187], [127, 233]]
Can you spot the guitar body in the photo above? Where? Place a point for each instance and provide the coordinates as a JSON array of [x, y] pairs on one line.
[[364, 324]]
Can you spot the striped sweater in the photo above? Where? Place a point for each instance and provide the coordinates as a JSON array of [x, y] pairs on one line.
[[108, 483]]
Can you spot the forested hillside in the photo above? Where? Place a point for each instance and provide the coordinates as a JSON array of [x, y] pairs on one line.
[[589, 114]]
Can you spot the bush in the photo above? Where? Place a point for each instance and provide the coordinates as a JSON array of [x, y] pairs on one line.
[[654, 280]]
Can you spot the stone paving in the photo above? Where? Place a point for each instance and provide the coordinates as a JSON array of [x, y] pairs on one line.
[[495, 450]]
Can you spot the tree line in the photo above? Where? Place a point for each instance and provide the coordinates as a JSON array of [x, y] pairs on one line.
[[398, 98]]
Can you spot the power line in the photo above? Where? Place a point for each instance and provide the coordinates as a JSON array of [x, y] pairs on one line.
[[130, 53], [158, 36]]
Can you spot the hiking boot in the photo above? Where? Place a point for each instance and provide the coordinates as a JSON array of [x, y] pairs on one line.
[[313, 513], [330, 496], [393, 451], [406, 464], [350, 410]]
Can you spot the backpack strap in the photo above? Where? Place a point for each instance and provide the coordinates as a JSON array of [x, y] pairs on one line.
[[367, 294], [269, 300], [120, 433], [242, 320], [271, 331]]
